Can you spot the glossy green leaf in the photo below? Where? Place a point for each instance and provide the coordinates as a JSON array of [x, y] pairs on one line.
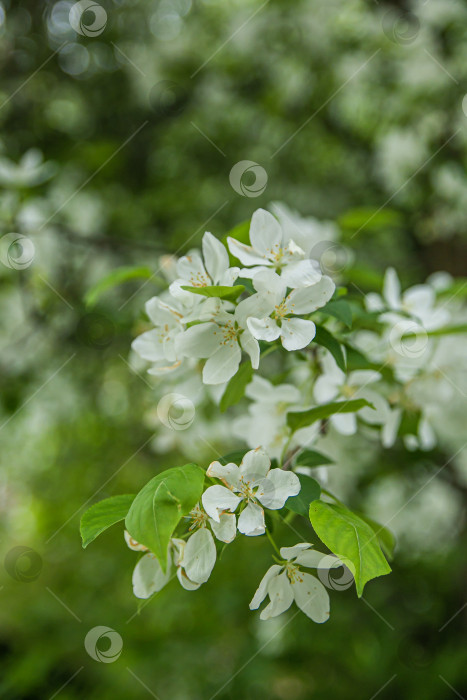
[[160, 505], [312, 458], [386, 538], [351, 539], [300, 419], [310, 491], [235, 389], [323, 337], [117, 276], [102, 515], [218, 291], [340, 309]]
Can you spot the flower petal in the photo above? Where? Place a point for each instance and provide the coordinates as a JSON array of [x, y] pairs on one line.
[[254, 465], [281, 596], [258, 305], [216, 258], [217, 499], [392, 289], [201, 340], [277, 487], [150, 345], [297, 333], [223, 364], [199, 556], [301, 274], [190, 268], [265, 232], [251, 346], [263, 328], [133, 544], [251, 521], [292, 552], [245, 253], [148, 577], [308, 299], [311, 597], [226, 529], [228, 473], [185, 581], [262, 590]]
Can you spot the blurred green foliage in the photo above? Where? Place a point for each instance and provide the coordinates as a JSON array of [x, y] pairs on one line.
[[354, 110]]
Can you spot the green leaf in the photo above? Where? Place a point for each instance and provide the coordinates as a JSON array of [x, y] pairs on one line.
[[386, 538], [235, 457], [369, 219], [323, 337], [300, 419], [102, 515], [160, 505], [312, 458], [218, 291], [340, 309], [351, 539], [310, 491], [235, 389], [121, 274]]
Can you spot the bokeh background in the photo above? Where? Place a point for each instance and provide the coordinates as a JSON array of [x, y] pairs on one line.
[[116, 147]]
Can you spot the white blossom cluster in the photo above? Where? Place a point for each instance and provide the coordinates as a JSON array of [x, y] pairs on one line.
[[244, 301]]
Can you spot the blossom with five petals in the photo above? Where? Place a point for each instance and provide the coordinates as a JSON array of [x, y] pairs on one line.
[[286, 582], [278, 309], [270, 248], [253, 484]]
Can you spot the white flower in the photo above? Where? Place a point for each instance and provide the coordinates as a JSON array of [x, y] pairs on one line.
[[194, 558], [222, 340], [284, 583], [194, 561], [270, 248], [307, 232], [265, 422], [251, 484], [335, 384], [158, 345], [193, 272], [278, 309], [418, 302]]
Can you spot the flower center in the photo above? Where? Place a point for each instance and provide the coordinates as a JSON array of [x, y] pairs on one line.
[[199, 517], [293, 573], [229, 332]]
